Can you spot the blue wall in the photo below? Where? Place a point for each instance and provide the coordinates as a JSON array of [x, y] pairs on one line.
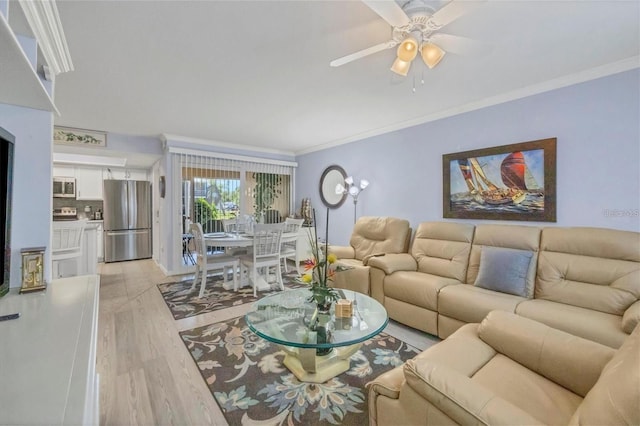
[[597, 126], [31, 210]]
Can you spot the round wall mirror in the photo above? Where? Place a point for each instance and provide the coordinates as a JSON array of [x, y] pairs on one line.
[[332, 176]]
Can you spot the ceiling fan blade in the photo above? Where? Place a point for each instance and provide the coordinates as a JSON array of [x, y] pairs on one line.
[[453, 11], [362, 53], [460, 45], [389, 11]]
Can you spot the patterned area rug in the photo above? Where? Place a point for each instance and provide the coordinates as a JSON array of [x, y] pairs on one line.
[[247, 379], [185, 303]]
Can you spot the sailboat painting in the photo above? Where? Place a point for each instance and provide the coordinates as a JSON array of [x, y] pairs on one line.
[[510, 182]]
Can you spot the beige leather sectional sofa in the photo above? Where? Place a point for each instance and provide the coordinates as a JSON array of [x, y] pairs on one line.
[[372, 236], [510, 370], [585, 281]]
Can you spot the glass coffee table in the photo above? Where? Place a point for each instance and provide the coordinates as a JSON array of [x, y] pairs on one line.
[[317, 346]]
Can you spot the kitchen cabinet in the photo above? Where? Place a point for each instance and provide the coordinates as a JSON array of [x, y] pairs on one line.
[[126, 174], [88, 183], [60, 170], [89, 179], [99, 238]]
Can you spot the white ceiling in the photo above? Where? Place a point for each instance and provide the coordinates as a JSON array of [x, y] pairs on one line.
[[257, 73]]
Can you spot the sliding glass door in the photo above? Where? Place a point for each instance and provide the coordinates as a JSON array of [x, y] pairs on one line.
[[215, 188]]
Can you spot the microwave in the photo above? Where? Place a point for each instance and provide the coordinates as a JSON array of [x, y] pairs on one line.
[[64, 187]]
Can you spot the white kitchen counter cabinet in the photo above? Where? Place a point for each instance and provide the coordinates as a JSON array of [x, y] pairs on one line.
[[48, 355], [88, 263], [99, 238]]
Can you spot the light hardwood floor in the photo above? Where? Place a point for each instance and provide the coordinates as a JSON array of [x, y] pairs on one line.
[[147, 376]]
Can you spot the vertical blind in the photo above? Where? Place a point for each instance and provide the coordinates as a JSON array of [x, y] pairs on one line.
[[215, 188]]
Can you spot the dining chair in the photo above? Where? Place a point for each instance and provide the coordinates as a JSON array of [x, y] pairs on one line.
[[265, 255], [290, 242], [207, 262], [66, 244], [235, 226]]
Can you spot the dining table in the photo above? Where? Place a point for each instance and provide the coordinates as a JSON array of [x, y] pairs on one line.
[[242, 239]]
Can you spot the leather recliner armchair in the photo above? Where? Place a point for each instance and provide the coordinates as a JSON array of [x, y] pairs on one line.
[[372, 236]]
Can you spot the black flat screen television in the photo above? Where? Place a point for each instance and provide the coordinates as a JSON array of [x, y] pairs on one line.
[[7, 141]]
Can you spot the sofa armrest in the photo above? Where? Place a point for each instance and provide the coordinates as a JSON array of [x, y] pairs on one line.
[[392, 262], [388, 383], [460, 398], [631, 317], [343, 252], [570, 361]]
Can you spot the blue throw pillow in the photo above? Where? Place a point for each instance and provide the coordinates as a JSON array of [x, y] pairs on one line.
[[504, 270]]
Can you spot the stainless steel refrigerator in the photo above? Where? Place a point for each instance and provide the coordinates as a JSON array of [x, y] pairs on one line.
[[127, 220]]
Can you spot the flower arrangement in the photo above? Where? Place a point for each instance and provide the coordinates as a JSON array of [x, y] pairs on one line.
[[321, 269]]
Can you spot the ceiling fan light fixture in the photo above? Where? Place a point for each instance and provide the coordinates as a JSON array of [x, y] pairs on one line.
[[408, 49], [432, 54], [401, 67]]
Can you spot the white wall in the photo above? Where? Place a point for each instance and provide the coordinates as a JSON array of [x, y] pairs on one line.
[[31, 209], [597, 126]]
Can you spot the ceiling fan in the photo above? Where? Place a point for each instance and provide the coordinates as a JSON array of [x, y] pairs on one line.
[[416, 28]]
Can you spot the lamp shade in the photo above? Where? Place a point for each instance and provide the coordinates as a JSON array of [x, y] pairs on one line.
[[408, 49], [432, 54], [364, 183], [401, 67], [349, 180], [340, 189]]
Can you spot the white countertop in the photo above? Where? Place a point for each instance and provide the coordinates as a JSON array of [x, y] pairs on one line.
[[47, 356], [90, 224]]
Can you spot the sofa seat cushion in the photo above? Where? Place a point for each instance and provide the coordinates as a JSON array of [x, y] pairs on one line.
[[463, 351], [586, 323], [417, 288], [540, 397], [471, 304], [349, 263]]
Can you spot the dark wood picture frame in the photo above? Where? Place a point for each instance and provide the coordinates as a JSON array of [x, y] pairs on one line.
[[474, 187]]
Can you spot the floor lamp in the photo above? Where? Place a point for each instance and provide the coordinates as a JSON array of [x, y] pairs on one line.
[[352, 190]]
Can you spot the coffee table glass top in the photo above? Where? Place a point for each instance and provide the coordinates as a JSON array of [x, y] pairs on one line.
[[285, 317]]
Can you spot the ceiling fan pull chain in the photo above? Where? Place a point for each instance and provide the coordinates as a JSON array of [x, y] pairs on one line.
[[414, 83]]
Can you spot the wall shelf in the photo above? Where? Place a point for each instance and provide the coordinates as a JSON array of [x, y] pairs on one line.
[[20, 83]]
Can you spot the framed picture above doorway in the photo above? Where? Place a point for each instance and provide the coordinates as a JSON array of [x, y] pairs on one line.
[[79, 137]]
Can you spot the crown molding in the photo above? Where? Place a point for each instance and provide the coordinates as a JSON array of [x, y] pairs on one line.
[[88, 160], [44, 20], [168, 138], [547, 86]]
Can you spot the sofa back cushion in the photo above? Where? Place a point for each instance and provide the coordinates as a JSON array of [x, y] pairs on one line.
[[570, 361], [379, 235], [592, 268], [442, 248], [505, 236], [614, 399]]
